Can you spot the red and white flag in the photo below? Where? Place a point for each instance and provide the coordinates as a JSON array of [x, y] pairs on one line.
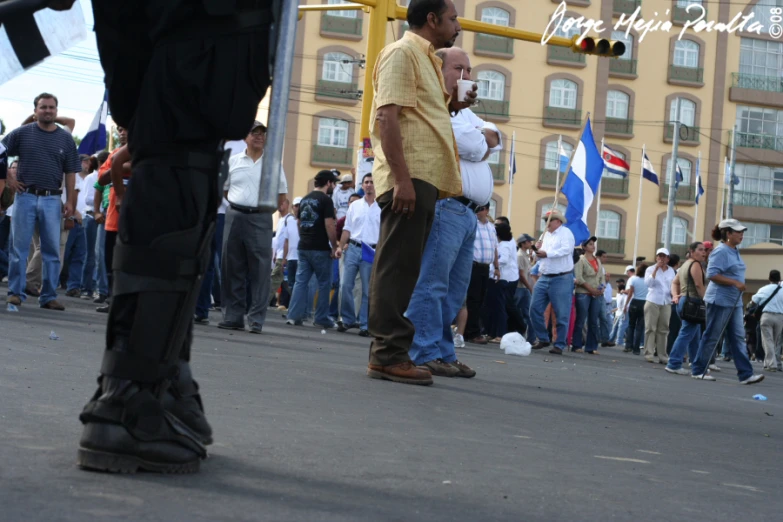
[[614, 163]]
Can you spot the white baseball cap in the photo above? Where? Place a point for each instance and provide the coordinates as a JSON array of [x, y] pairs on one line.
[[297, 201], [630, 267], [732, 224], [662, 251]]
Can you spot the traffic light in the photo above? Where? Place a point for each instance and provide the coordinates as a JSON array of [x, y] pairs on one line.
[[598, 47]]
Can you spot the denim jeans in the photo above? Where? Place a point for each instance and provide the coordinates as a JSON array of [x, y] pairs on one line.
[[318, 262], [605, 319], [5, 238], [205, 294], [522, 296], [617, 327], [635, 332], [688, 339], [589, 310], [718, 317], [334, 302], [74, 256], [90, 237], [443, 281], [101, 274], [353, 263], [558, 291], [47, 212]]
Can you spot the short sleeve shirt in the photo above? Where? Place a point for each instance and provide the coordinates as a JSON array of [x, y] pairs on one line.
[[314, 210], [727, 262], [44, 156]]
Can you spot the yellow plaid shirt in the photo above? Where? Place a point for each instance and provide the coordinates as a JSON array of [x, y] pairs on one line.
[[408, 74]]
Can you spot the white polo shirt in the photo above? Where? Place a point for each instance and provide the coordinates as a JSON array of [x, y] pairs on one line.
[[244, 178], [363, 221]]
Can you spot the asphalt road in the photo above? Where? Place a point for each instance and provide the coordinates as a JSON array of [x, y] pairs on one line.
[[301, 433]]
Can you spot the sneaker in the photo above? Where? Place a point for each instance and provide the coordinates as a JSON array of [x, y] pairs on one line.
[[341, 327], [443, 369], [678, 371], [100, 299], [103, 309], [230, 325], [53, 305], [753, 379], [649, 359], [704, 377], [464, 370], [364, 333], [714, 368], [459, 341], [291, 322], [200, 320], [330, 326], [86, 295], [74, 292], [255, 328]]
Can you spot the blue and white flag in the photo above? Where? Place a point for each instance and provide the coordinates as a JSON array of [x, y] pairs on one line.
[[647, 170], [677, 176], [368, 253], [564, 157], [581, 184], [512, 165], [95, 139]]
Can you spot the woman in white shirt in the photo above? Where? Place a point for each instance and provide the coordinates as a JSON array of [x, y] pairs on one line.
[[657, 309], [500, 304]]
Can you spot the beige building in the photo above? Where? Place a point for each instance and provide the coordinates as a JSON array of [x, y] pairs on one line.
[[542, 92]]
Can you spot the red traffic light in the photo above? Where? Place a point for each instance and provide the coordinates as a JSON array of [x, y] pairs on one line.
[[587, 45], [601, 47]]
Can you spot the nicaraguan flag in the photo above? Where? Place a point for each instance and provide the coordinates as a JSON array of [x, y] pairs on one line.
[[677, 176], [95, 139], [614, 163], [647, 170], [581, 184], [564, 157], [368, 253]]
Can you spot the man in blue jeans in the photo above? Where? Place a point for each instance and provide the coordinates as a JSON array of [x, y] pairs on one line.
[[317, 247], [556, 283], [47, 156]]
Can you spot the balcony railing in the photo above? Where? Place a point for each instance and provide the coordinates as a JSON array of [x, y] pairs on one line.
[[754, 199], [564, 54], [621, 66], [626, 6], [341, 25], [614, 185], [337, 90], [562, 116], [494, 44], [619, 126], [611, 245], [686, 74], [680, 250], [759, 141], [680, 14], [492, 107], [684, 192], [688, 134], [332, 155], [498, 171], [757, 82]]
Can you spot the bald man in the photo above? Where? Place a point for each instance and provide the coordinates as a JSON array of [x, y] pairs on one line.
[[448, 255]]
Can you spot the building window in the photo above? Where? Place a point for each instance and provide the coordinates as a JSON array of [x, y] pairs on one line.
[[608, 225], [493, 208], [608, 174], [761, 57], [494, 157], [686, 54], [345, 14], [337, 68], [685, 168], [495, 16], [617, 105], [551, 159], [762, 233], [332, 133], [546, 208], [762, 12], [760, 186], [679, 231], [491, 85], [627, 40], [562, 94], [687, 112], [758, 120], [686, 3]]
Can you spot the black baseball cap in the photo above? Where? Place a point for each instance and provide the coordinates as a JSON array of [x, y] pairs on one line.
[[592, 238], [327, 175]]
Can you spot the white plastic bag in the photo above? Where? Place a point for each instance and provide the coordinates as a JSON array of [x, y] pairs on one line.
[[514, 344]]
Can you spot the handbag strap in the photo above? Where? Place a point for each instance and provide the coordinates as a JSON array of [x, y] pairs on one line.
[[690, 277], [761, 308]]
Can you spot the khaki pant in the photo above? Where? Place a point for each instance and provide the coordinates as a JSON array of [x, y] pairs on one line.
[[772, 339], [656, 329]]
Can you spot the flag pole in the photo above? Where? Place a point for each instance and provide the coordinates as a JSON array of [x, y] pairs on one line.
[[598, 198], [511, 174], [696, 211], [557, 178], [567, 170], [639, 206], [723, 192]]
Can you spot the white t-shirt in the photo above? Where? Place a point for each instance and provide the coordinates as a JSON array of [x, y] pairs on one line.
[[507, 259], [290, 231]]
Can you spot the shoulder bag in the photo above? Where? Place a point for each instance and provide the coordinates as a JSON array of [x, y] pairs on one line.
[[760, 309], [694, 310]]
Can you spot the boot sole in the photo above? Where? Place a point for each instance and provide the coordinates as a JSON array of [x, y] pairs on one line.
[[386, 377], [116, 463]]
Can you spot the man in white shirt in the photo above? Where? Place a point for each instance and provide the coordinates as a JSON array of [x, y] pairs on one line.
[[771, 296], [277, 258], [342, 195], [448, 255], [362, 225], [658, 309], [247, 237], [556, 282], [289, 237]]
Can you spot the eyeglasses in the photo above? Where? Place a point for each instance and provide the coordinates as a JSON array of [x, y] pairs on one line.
[[258, 132]]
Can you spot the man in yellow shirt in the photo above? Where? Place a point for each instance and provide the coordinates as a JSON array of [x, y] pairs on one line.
[[416, 163]]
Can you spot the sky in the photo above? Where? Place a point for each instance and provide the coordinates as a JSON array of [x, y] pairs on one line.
[[75, 77]]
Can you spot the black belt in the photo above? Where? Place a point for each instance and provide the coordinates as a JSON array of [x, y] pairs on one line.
[[560, 274], [41, 192], [468, 203], [90, 212], [357, 243], [246, 210], [482, 265]]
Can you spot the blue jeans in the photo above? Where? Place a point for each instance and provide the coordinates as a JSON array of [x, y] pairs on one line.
[[605, 319], [205, 295], [90, 237], [74, 255], [5, 236], [558, 291], [635, 332], [588, 309], [687, 339], [443, 282], [617, 328], [352, 263], [522, 296], [47, 212], [718, 317], [318, 262], [101, 275], [334, 303]]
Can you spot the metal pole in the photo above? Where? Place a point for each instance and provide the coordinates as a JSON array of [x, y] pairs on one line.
[[667, 241], [376, 40], [511, 174], [639, 207], [557, 177], [269, 184], [598, 198], [696, 211], [732, 162]]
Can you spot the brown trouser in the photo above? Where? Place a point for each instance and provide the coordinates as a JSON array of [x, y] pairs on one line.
[[395, 272]]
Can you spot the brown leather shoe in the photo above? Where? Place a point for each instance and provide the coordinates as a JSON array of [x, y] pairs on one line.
[[539, 345], [556, 351], [464, 370], [14, 300], [406, 373], [53, 305], [441, 369], [32, 292]]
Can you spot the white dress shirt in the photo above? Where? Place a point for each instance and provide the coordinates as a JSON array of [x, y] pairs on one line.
[[659, 288], [340, 198], [507, 260], [477, 182], [363, 221], [244, 177], [559, 248], [291, 233], [81, 196]]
